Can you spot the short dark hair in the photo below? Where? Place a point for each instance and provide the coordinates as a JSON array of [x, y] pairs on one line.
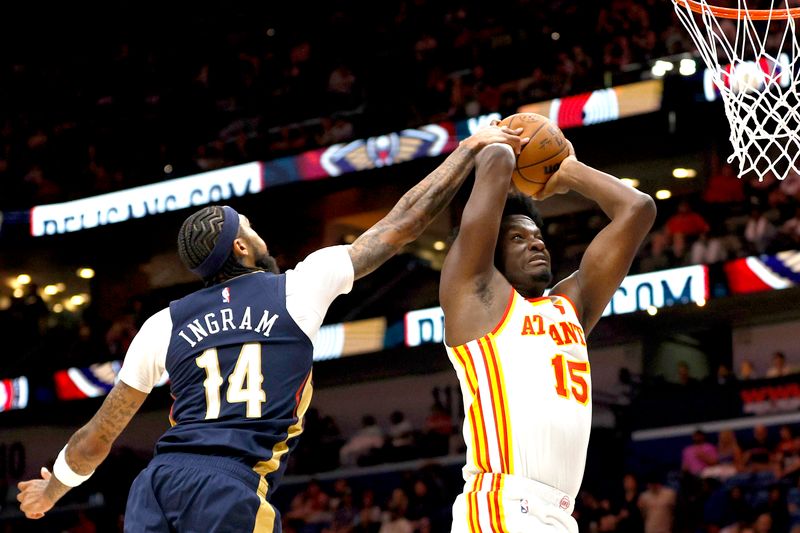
[[196, 239], [518, 203]]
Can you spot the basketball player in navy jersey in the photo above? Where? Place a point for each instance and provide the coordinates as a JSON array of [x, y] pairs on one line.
[[239, 355], [520, 356]]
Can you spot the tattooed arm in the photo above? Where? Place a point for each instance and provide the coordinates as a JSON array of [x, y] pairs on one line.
[[86, 449], [419, 206]]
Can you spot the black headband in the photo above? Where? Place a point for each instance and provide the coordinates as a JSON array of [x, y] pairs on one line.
[[223, 247]]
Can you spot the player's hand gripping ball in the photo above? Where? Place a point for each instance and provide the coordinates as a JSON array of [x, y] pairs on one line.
[[542, 156]]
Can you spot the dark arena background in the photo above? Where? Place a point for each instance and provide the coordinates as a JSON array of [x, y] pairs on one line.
[[117, 121]]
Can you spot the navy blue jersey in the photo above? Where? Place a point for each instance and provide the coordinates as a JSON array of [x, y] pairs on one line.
[[240, 372]]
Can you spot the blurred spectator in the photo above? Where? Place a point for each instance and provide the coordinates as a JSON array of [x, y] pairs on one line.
[[344, 513], [729, 457], [394, 519], [120, 335], [685, 379], [763, 524], [341, 488], [757, 456], [424, 503], [779, 367], [400, 437], [790, 231], [684, 226], [698, 455], [334, 131], [607, 519], [368, 519], [776, 509], [658, 256], [747, 370], [361, 447], [758, 232], [310, 507], [708, 249], [331, 440], [657, 504], [342, 93], [629, 517], [723, 376], [736, 510], [790, 186], [788, 452], [724, 187], [437, 431]]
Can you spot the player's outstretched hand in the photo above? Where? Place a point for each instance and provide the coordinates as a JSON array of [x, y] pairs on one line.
[[32, 498], [559, 182], [493, 133]]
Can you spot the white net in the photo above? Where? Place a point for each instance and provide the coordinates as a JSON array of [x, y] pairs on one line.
[[753, 64]]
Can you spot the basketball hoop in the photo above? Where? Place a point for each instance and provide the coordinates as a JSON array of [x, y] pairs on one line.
[[752, 56]]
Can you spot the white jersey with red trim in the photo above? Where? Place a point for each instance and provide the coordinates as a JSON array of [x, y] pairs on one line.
[[527, 395]]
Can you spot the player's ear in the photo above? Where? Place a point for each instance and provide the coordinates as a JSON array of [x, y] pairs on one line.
[[240, 248]]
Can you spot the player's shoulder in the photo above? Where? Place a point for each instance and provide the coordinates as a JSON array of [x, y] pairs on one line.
[[331, 261], [567, 291], [158, 319]]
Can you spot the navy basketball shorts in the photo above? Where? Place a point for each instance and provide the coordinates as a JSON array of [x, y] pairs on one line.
[[187, 493]]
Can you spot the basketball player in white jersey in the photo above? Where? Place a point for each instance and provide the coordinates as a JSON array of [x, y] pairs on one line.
[[520, 356]]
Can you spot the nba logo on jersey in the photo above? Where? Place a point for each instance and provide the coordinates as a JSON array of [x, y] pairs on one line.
[[523, 506], [564, 503], [226, 295]]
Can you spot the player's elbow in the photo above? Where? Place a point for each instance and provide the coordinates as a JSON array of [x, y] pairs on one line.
[[410, 226], [643, 209], [89, 446], [93, 451], [496, 157]]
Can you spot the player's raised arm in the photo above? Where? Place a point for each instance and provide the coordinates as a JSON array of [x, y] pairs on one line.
[[607, 260], [471, 257], [86, 449], [419, 206]]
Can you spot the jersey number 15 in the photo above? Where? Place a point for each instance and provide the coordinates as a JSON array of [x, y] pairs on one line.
[[569, 378]]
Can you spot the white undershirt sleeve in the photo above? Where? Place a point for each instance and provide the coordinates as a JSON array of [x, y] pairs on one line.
[[314, 283], [145, 361]]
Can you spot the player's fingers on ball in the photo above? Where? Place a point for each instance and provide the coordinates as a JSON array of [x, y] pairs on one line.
[[548, 190], [45, 473]]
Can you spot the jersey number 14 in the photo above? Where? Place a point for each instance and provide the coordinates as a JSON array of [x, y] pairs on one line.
[[244, 383]]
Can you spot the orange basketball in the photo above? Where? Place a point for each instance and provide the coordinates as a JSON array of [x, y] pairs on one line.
[[542, 156]]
